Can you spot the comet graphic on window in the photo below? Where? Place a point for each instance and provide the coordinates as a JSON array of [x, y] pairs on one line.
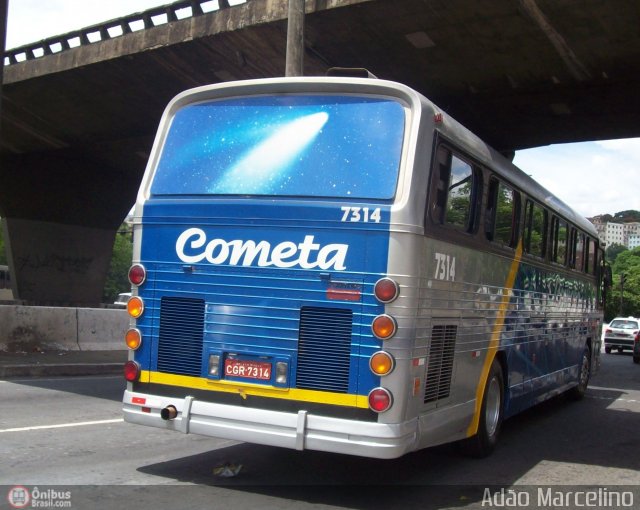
[[263, 168]]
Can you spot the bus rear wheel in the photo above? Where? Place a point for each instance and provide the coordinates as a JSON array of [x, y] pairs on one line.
[[491, 415], [577, 392]]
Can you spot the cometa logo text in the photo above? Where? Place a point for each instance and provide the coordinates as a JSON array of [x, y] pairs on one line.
[[193, 247]]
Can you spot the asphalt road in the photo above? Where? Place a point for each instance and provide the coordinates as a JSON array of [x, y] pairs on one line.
[[62, 432]]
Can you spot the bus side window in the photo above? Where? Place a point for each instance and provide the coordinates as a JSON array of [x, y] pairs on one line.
[[578, 251], [457, 186], [501, 219], [590, 257], [535, 229], [460, 195], [441, 171], [559, 241]]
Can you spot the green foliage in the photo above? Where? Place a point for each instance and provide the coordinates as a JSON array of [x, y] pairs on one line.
[[626, 216], [612, 252], [121, 258], [627, 263]]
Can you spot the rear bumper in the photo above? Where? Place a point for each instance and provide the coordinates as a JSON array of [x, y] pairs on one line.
[[626, 343], [300, 431]]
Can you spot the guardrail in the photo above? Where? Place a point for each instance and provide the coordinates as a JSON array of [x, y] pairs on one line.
[[116, 28]]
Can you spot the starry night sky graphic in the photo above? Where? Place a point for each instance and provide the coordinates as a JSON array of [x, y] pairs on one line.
[[295, 145]]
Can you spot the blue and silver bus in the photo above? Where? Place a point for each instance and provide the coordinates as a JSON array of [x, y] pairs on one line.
[[336, 264]]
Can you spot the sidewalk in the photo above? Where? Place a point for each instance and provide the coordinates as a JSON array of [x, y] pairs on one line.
[[61, 363]]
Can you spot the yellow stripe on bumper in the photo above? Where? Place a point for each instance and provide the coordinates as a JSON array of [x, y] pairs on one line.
[[246, 389]]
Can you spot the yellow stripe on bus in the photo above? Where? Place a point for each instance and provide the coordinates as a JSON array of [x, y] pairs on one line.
[[494, 343], [246, 389]]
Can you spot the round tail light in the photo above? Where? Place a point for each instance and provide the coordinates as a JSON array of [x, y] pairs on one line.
[[381, 363], [384, 326], [137, 274], [133, 338], [386, 290], [131, 371], [380, 400], [135, 307]]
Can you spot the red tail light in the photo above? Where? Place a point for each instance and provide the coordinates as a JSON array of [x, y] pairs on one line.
[[137, 274], [380, 400], [131, 371], [386, 290]]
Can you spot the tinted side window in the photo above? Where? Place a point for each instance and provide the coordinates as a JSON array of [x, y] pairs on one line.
[[441, 183], [591, 257], [456, 188], [535, 229], [559, 241], [579, 251], [501, 218], [459, 200]]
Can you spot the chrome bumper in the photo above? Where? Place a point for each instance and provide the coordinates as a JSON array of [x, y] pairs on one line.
[[300, 431]]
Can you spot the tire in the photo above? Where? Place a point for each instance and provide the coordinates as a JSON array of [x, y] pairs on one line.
[[577, 392], [620, 350], [491, 415], [607, 349], [636, 359]]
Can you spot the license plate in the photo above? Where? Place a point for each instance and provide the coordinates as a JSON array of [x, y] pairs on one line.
[[259, 370]]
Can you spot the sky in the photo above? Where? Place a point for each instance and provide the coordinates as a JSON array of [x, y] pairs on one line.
[[592, 177]]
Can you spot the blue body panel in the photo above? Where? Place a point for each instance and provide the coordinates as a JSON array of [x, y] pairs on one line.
[[251, 308]]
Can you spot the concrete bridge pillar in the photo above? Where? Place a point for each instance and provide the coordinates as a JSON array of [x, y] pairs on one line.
[[61, 210]]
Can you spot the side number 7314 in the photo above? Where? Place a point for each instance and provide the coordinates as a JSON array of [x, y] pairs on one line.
[[360, 214], [445, 267]]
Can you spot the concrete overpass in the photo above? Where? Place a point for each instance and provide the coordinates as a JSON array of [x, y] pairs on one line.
[[79, 111]]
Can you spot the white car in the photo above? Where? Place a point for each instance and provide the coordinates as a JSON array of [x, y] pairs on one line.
[[122, 299], [621, 333]]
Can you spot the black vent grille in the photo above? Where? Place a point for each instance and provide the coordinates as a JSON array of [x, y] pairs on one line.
[[324, 348], [440, 362], [181, 332]]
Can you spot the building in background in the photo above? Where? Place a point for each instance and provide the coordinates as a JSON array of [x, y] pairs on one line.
[[616, 232]]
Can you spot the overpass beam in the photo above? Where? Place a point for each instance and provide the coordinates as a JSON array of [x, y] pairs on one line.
[[61, 210], [57, 264]]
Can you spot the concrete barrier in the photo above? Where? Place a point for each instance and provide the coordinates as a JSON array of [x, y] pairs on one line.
[[33, 328]]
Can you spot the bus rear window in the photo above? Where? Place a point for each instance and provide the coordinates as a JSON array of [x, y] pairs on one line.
[[294, 145]]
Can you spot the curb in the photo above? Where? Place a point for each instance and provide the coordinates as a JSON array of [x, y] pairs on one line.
[[60, 370]]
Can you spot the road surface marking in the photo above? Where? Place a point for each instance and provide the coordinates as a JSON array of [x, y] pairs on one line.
[[63, 425]]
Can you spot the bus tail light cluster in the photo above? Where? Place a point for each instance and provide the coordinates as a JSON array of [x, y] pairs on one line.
[[135, 307], [384, 326], [380, 399]]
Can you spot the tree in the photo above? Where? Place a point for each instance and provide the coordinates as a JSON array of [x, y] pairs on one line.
[[122, 255], [627, 263], [613, 251]]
